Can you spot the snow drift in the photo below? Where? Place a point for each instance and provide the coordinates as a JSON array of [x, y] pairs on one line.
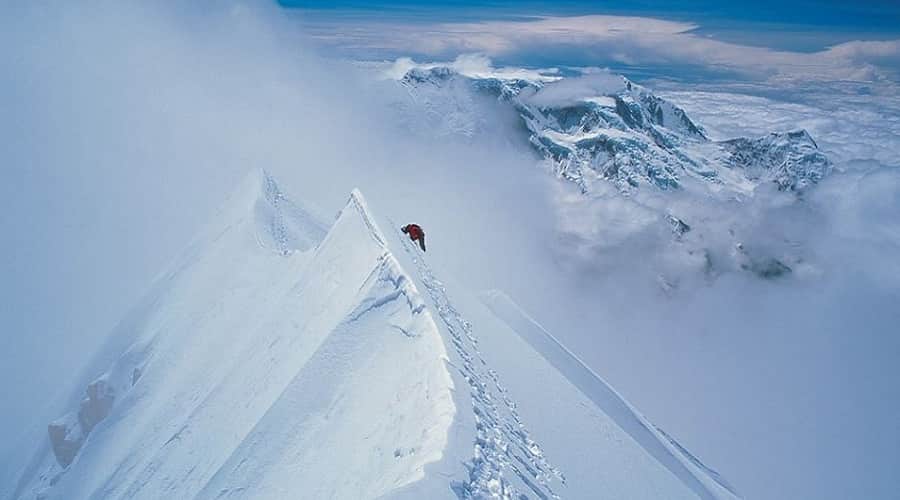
[[282, 358]]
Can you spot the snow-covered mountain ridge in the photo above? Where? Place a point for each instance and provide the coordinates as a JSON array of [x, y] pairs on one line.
[[246, 338], [630, 137], [280, 358], [644, 172]]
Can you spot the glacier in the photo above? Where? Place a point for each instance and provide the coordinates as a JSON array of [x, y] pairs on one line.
[[282, 356]]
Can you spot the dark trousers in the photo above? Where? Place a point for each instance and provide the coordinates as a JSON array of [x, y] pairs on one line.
[[421, 241]]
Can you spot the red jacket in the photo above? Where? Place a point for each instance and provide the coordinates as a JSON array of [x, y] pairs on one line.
[[415, 232]]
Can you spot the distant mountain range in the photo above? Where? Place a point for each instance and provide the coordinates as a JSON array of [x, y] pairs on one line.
[[630, 137], [617, 134]]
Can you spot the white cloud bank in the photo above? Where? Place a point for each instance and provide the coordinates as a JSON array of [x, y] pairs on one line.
[[635, 41]]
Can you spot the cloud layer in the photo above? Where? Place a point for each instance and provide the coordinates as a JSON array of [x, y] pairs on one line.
[[605, 40]]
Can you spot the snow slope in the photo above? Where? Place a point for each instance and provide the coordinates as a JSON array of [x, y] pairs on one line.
[[655, 441], [582, 446], [279, 359], [249, 339]]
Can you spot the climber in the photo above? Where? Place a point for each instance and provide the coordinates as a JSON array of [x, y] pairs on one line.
[[415, 233]]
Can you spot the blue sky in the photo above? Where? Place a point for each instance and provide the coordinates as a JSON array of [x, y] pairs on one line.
[[696, 40], [871, 16]]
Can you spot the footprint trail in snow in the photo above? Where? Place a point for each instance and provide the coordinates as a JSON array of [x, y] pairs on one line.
[[504, 450]]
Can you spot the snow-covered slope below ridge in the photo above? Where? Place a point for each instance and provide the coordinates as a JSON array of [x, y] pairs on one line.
[[278, 359], [267, 328]]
